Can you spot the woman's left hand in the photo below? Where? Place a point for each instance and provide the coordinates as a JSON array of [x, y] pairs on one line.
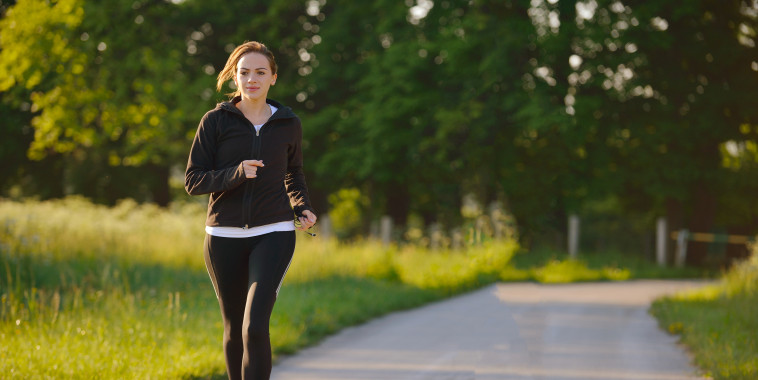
[[307, 220]]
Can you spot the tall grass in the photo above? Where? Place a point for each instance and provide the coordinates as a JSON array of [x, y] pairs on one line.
[[719, 323], [90, 291]]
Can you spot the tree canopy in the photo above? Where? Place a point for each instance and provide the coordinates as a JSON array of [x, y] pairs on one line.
[[543, 105]]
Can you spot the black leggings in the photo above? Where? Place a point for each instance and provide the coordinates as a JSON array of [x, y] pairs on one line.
[[247, 274]]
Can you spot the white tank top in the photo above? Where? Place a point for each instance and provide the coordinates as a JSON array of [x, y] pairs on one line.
[[236, 232]]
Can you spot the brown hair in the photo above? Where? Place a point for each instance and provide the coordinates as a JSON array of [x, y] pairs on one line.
[[231, 64]]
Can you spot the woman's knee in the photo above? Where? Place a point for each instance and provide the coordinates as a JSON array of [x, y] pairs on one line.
[[256, 332]]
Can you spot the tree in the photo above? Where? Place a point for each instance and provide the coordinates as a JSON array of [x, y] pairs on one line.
[[116, 89], [95, 94], [364, 102], [410, 104], [677, 76]]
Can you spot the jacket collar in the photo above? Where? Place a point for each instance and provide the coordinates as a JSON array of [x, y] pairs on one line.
[[282, 111]]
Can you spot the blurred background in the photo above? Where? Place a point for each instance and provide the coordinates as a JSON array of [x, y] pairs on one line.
[[448, 144], [461, 119]]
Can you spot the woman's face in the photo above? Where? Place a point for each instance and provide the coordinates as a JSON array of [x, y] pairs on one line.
[[254, 77]]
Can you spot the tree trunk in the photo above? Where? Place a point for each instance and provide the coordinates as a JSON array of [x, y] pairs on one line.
[[398, 203], [53, 186], [674, 221], [703, 213], [319, 200], [160, 189]]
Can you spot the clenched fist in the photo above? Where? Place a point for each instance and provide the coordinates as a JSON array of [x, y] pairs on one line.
[[251, 167], [307, 220]]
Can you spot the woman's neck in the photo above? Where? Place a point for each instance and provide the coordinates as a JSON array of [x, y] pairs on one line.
[[254, 108]]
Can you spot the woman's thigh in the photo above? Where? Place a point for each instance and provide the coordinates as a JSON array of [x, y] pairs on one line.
[[270, 259], [227, 261]]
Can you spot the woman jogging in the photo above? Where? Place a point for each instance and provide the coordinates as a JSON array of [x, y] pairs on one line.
[[247, 155]]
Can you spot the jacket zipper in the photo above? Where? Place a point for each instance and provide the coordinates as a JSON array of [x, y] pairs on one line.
[[248, 196], [256, 155]]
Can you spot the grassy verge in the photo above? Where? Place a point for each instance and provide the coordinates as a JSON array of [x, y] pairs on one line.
[[146, 334], [719, 323], [547, 266], [93, 292]]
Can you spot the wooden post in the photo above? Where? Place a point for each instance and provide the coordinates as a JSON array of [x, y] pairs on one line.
[[660, 241], [385, 229], [497, 218], [573, 235], [457, 241], [681, 247], [435, 236], [479, 228]]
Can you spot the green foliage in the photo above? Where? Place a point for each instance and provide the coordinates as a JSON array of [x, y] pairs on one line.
[[718, 323], [450, 271], [573, 270], [116, 89], [670, 81], [69, 75], [99, 99], [550, 267], [347, 212], [544, 106], [743, 278]]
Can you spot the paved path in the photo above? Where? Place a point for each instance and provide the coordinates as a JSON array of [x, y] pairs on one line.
[[509, 331]]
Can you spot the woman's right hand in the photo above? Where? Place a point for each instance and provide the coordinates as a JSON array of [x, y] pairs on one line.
[[251, 167]]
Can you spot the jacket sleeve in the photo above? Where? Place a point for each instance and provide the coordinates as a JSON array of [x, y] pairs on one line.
[[297, 189], [201, 177]]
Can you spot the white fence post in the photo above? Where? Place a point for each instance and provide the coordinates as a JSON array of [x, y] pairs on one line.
[[497, 217], [435, 236], [573, 235], [660, 241], [681, 247], [385, 229], [325, 227], [457, 238]]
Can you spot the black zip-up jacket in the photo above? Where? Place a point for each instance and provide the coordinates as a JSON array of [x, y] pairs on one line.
[[225, 138]]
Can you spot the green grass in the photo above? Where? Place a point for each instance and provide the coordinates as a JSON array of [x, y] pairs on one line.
[[718, 323], [547, 266], [89, 291]]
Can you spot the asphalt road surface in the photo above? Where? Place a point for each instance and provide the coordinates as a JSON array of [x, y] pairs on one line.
[[509, 331]]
